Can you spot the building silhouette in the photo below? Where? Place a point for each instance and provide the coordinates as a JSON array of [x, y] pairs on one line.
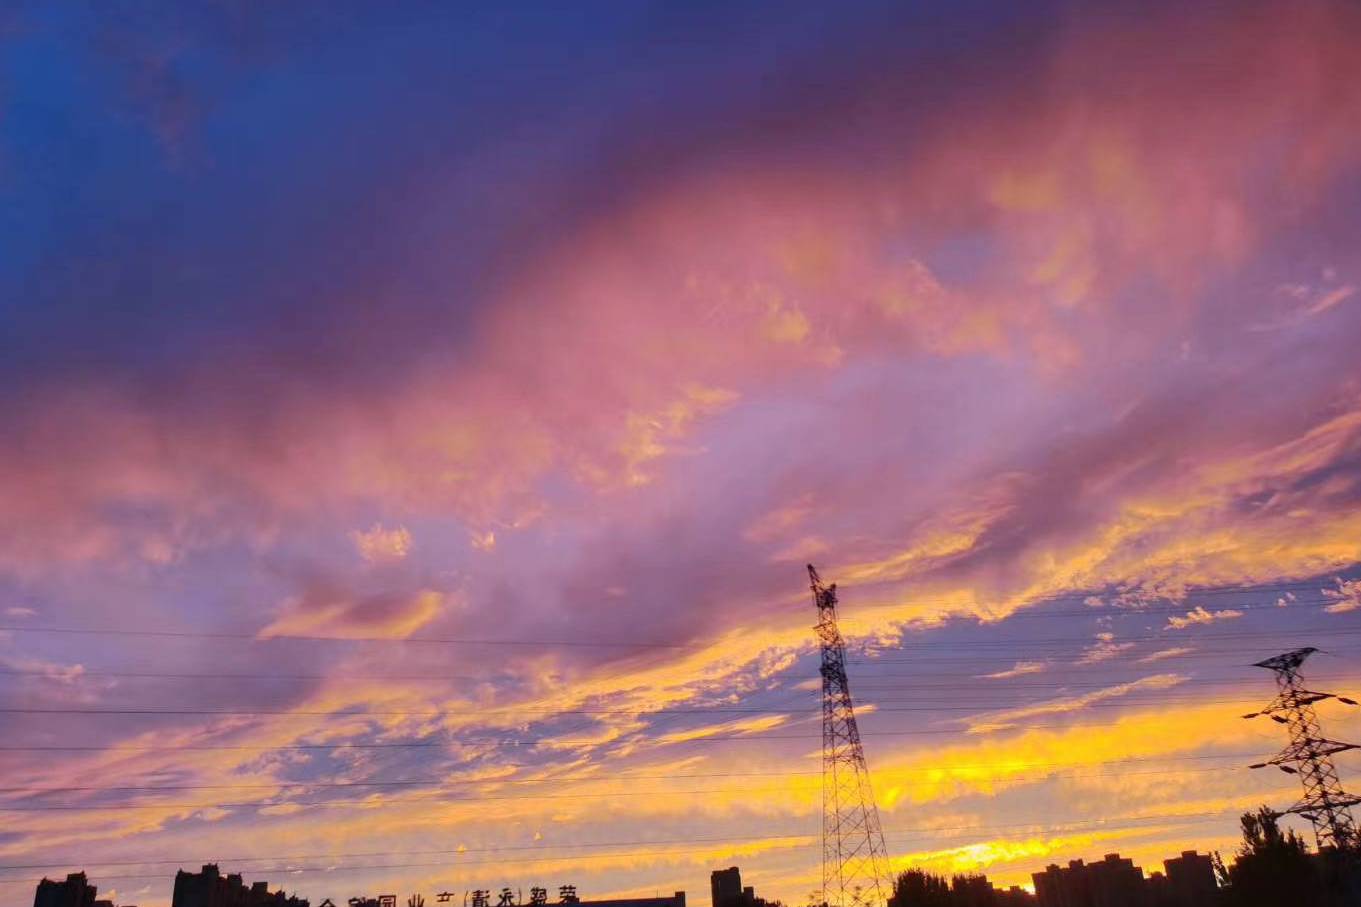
[[1113, 882], [1013, 896], [76, 891], [1188, 881], [725, 888], [210, 888]]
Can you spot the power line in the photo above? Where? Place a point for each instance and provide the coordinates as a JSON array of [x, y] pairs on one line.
[[1012, 644], [334, 804], [551, 643], [933, 774], [1317, 584], [176, 675], [1026, 610], [751, 737], [977, 652], [340, 804], [1022, 650], [984, 662], [772, 711], [988, 650], [1170, 757], [1119, 822], [1028, 680], [996, 682], [454, 851], [255, 637], [1039, 612]]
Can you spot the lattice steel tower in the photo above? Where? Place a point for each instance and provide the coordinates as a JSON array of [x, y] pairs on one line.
[[1309, 754], [854, 862]]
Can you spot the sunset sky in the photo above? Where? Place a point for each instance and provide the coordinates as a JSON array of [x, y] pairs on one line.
[[415, 420]]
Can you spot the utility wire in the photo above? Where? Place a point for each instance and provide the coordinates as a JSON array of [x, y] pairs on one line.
[[255, 637], [773, 711], [1017, 650], [931, 773], [1030, 609], [544, 643], [750, 737], [1179, 819], [1000, 684]]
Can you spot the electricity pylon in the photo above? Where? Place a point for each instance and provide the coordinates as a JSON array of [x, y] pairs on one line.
[[854, 861], [1309, 754]]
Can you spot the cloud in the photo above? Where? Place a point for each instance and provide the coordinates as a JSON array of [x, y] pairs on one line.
[[378, 544], [646, 436], [670, 295], [1019, 669], [1331, 298], [1345, 596], [65, 674], [1161, 654], [992, 764], [980, 373], [1104, 649], [744, 726], [779, 521], [979, 856], [1312, 301], [328, 612], [1199, 615], [990, 722]]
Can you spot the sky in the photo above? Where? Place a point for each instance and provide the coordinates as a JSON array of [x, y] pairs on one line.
[[417, 419]]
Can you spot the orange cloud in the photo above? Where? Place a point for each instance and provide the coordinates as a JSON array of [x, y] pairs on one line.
[[389, 616], [379, 544], [1199, 615]]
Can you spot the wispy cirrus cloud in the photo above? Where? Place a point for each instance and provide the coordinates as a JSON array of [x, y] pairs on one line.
[[333, 613], [1162, 654], [989, 722], [1020, 669]]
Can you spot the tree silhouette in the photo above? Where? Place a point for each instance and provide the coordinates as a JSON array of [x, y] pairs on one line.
[[1274, 868], [915, 888]]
